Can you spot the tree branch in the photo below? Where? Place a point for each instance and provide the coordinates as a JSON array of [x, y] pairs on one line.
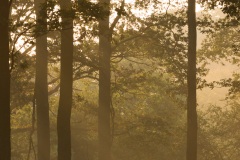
[[119, 14]]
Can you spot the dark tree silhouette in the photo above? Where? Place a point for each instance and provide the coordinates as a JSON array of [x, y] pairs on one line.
[[5, 145], [41, 84], [191, 82], [66, 80], [104, 131]]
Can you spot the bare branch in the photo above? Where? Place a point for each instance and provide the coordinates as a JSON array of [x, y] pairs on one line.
[[118, 16], [126, 40]]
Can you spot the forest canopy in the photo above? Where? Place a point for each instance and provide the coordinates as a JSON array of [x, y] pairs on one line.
[[119, 80]]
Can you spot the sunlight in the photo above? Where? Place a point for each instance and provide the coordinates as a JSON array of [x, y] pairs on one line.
[[166, 2], [198, 8]]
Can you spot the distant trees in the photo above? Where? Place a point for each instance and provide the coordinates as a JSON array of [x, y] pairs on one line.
[[191, 83], [41, 82], [222, 44], [229, 7], [5, 140]]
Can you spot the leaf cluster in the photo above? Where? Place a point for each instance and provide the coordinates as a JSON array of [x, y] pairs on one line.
[[229, 7], [92, 11]]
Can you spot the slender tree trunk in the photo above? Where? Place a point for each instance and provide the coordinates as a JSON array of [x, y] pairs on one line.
[[41, 85], [66, 80], [104, 130], [191, 78], [5, 142]]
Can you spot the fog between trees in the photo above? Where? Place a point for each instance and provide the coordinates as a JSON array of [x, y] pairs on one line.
[[117, 80]]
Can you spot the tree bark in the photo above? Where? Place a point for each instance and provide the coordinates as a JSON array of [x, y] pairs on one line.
[[191, 81], [66, 80], [5, 130], [104, 130], [41, 84]]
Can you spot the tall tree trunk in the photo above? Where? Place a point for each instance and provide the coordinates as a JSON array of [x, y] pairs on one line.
[[191, 80], [104, 130], [66, 80], [5, 142], [41, 85]]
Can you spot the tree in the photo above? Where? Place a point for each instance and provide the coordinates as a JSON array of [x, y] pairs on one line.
[[217, 47], [66, 82], [219, 131], [191, 82], [41, 82], [229, 7], [104, 129], [5, 144]]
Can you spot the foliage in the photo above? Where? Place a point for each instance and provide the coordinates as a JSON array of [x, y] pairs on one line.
[[218, 48], [229, 7], [22, 81], [148, 67], [219, 133]]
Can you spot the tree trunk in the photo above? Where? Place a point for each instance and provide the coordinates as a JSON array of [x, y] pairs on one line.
[[66, 80], [104, 131], [191, 80], [41, 85], [5, 142]]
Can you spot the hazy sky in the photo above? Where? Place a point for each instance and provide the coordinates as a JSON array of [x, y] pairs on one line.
[[217, 72]]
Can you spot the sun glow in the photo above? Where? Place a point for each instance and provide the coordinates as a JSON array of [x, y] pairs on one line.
[[198, 8], [166, 6]]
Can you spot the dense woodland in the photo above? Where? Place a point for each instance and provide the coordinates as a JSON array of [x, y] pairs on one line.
[[118, 80]]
